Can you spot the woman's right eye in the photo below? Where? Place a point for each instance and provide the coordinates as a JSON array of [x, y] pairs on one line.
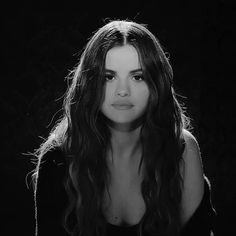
[[109, 77]]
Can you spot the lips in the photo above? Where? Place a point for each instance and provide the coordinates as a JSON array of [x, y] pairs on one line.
[[122, 106]]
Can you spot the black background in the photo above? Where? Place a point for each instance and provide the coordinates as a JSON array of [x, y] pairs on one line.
[[40, 45]]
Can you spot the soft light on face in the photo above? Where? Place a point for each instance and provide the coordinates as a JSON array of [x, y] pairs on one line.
[[126, 93]]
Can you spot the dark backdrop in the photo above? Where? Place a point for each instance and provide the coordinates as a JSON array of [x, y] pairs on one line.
[[40, 45]]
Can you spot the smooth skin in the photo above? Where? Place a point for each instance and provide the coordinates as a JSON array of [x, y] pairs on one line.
[[124, 83]]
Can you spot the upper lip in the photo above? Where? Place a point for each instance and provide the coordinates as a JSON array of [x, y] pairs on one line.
[[123, 103]]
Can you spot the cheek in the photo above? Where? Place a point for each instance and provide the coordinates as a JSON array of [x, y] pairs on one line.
[[107, 94], [143, 95], [145, 100]]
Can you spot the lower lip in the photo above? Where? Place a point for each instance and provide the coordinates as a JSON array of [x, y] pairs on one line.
[[122, 107]]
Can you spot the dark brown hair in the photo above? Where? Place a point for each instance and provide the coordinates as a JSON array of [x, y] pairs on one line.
[[84, 135]]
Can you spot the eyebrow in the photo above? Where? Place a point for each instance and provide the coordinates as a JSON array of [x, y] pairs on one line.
[[131, 72]]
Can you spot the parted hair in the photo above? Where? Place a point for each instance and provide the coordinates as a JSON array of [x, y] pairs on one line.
[[84, 136]]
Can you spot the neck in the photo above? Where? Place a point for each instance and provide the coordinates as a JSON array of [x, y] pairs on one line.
[[125, 145]]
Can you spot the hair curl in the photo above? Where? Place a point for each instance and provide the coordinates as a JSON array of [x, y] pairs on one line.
[[84, 136]]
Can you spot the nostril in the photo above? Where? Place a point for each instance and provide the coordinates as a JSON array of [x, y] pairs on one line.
[[123, 93]]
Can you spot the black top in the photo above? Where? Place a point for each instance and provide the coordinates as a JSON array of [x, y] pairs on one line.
[[51, 202]]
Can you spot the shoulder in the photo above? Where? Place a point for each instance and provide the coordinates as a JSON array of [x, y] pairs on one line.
[[50, 196], [51, 166], [50, 176], [193, 177], [192, 156], [191, 147]]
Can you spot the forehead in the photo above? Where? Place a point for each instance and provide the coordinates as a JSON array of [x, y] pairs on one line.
[[122, 58]]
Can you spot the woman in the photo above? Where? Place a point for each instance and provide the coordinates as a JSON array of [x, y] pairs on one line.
[[121, 161]]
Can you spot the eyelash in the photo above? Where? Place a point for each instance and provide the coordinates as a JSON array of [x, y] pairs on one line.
[[111, 76]]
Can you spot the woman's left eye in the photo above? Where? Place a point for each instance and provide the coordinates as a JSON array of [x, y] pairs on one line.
[[138, 77]]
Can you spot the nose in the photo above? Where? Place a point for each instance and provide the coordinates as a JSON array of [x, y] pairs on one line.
[[123, 89], [122, 93]]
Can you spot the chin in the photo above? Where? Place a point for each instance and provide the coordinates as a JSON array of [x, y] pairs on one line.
[[121, 122], [124, 125]]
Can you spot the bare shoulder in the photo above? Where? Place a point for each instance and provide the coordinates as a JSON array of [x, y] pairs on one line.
[[193, 177]]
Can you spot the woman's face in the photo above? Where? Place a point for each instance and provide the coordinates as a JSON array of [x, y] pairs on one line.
[[126, 93]]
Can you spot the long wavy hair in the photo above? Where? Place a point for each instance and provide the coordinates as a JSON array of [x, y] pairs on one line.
[[84, 136]]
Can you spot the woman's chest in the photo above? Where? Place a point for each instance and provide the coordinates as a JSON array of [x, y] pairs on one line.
[[126, 204]]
